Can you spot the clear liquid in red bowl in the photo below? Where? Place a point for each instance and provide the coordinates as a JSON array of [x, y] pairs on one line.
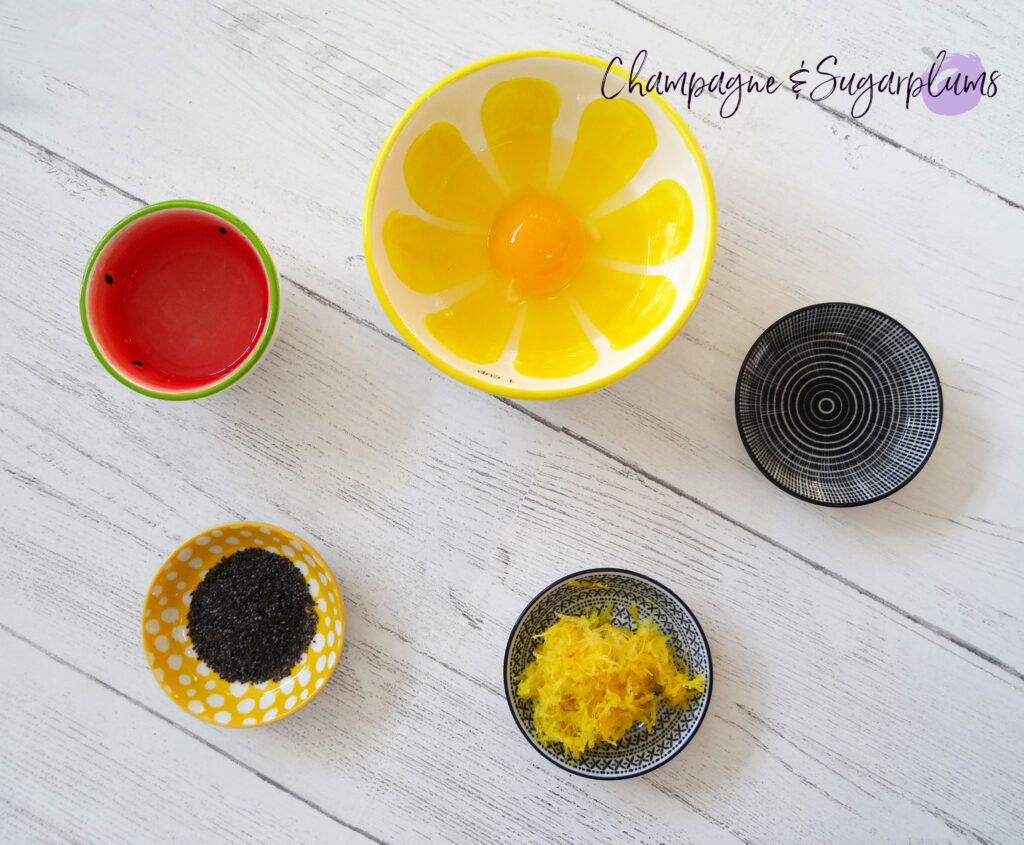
[[178, 299]]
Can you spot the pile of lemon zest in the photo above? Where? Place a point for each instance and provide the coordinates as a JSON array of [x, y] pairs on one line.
[[590, 585], [590, 681]]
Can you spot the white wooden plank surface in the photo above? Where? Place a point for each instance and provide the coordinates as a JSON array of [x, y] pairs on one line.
[[868, 662]]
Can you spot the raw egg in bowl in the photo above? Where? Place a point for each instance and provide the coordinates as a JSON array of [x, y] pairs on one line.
[[532, 236]]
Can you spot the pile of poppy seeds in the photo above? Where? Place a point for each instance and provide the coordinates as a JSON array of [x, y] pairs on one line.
[[252, 617]]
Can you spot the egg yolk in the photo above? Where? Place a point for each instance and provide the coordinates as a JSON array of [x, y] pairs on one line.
[[538, 243]]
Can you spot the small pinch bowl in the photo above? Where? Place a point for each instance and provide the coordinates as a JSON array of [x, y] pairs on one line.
[[191, 684], [638, 752], [838, 404], [533, 238]]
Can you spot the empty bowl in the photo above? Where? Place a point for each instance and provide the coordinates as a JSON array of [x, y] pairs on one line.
[[838, 404], [193, 685], [639, 751], [532, 238], [179, 300]]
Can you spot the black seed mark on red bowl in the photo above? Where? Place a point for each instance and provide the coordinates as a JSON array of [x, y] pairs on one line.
[[109, 279], [137, 363], [222, 230]]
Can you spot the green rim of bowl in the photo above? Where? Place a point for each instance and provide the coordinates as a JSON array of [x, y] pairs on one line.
[[268, 330]]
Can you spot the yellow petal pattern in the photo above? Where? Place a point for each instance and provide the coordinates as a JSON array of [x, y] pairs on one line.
[[478, 326], [651, 229], [447, 180], [517, 116], [553, 344], [430, 258], [624, 307], [613, 141]]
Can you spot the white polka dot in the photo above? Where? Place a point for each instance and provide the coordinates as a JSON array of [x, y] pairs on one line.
[[264, 531], [304, 694], [233, 541], [180, 633], [211, 684], [147, 614], [170, 615], [159, 673], [190, 652], [196, 562], [249, 721], [258, 541], [217, 532], [303, 677], [202, 541], [287, 686], [245, 705], [267, 699], [150, 658], [319, 683], [323, 578], [327, 621], [302, 568], [203, 669], [330, 638], [314, 588], [152, 626], [185, 554], [331, 658], [202, 575], [181, 585], [215, 700], [215, 550], [187, 599], [272, 549], [157, 589], [330, 595], [288, 550], [246, 533], [261, 685], [320, 662], [297, 545], [168, 690], [322, 604], [222, 718], [190, 691], [309, 560], [196, 707], [171, 576], [174, 661], [162, 643], [163, 601], [185, 680], [238, 690], [270, 714], [290, 702], [317, 643], [276, 539], [337, 626]]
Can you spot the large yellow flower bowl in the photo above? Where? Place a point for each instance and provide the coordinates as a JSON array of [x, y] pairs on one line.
[[533, 237]]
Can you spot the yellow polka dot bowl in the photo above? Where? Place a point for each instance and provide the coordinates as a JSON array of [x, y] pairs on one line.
[[535, 230], [193, 685]]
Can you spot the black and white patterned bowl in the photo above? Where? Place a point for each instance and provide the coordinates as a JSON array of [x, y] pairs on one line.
[[838, 404], [638, 752]]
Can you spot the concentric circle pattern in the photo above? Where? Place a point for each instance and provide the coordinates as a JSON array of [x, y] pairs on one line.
[[838, 404], [640, 750]]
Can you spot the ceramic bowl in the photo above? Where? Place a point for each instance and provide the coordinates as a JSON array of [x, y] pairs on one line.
[[639, 751], [838, 404], [532, 237], [191, 684], [180, 300]]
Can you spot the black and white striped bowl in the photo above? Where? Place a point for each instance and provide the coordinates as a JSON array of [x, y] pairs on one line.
[[838, 404]]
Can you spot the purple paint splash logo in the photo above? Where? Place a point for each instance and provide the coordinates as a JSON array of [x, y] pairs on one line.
[[955, 82]]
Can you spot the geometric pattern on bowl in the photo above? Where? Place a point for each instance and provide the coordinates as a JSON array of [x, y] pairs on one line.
[[532, 238], [838, 404], [639, 751], [190, 683]]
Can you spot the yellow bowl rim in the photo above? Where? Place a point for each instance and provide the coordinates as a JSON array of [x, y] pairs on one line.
[[246, 523], [696, 291]]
